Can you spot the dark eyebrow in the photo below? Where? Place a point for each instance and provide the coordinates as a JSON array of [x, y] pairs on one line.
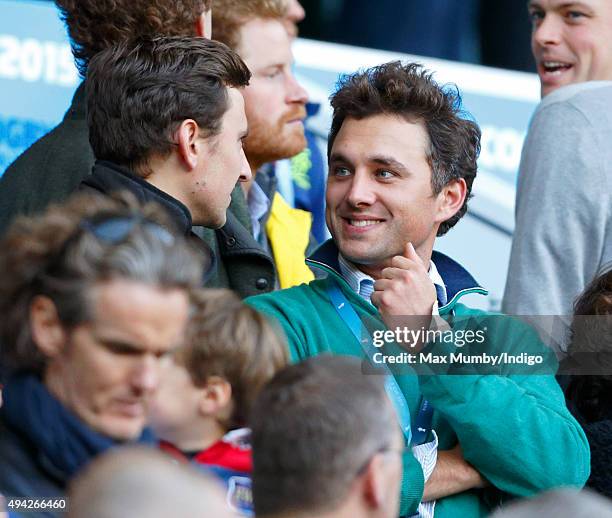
[[118, 344], [338, 157], [124, 347], [383, 160], [388, 162]]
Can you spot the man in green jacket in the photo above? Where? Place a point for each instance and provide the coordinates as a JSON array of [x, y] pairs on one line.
[[402, 161]]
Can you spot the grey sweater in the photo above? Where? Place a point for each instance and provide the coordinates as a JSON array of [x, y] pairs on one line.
[[563, 234]]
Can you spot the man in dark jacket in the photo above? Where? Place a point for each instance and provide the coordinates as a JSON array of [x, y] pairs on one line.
[[53, 167], [93, 294], [166, 122]]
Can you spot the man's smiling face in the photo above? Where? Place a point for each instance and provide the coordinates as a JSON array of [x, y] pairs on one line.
[[379, 192], [570, 41]]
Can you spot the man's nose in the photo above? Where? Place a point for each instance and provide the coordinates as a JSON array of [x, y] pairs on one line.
[[548, 31], [295, 92], [361, 192], [145, 376], [245, 170]]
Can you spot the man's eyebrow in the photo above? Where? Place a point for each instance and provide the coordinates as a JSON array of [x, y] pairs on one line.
[[383, 160], [118, 343], [276, 66], [582, 5], [388, 162], [338, 157], [565, 5]]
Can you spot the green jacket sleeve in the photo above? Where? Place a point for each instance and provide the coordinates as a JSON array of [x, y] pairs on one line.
[[514, 429]]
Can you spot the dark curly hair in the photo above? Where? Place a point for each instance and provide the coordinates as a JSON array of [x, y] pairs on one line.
[[408, 90], [94, 25]]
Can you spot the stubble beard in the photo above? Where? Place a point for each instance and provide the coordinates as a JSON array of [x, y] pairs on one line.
[[267, 143]]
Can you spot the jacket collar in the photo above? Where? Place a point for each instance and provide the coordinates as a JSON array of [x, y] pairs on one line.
[[108, 177], [457, 279], [236, 240], [78, 107]]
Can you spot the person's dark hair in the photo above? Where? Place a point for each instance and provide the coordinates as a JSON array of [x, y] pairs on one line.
[[408, 91], [64, 252], [138, 94], [591, 343], [95, 25], [314, 427]]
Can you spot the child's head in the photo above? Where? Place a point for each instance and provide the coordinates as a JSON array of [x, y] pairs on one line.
[[230, 352]]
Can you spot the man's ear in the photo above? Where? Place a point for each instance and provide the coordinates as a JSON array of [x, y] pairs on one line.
[[451, 199], [48, 332], [373, 483], [217, 397], [187, 141], [203, 26]]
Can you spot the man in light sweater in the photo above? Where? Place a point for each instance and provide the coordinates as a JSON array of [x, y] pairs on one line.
[[563, 233]]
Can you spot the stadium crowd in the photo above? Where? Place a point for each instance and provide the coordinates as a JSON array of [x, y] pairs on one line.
[[178, 339]]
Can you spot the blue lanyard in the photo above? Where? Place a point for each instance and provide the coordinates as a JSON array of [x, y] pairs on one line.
[[395, 394], [423, 422]]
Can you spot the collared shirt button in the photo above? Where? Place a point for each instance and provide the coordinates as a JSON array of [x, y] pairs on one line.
[[230, 241], [261, 283]]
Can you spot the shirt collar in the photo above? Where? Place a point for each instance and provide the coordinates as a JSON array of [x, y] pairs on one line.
[[363, 284], [258, 205]]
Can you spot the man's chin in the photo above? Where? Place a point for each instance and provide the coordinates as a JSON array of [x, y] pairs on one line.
[[121, 429], [212, 223], [294, 146], [360, 256], [217, 224]]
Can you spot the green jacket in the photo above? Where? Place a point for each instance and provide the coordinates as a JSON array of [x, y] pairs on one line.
[[515, 430]]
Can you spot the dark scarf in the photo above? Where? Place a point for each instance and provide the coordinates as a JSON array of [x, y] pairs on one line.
[[65, 444]]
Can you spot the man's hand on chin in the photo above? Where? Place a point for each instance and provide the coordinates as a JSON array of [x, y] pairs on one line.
[[405, 295]]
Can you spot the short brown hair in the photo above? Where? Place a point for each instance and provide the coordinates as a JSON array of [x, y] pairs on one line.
[[314, 426], [230, 15], [408, 91], [229, 339], [58, 255], [139, 92], [95, 25]]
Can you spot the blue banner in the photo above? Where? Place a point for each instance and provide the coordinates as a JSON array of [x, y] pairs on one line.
[[37, 74]]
